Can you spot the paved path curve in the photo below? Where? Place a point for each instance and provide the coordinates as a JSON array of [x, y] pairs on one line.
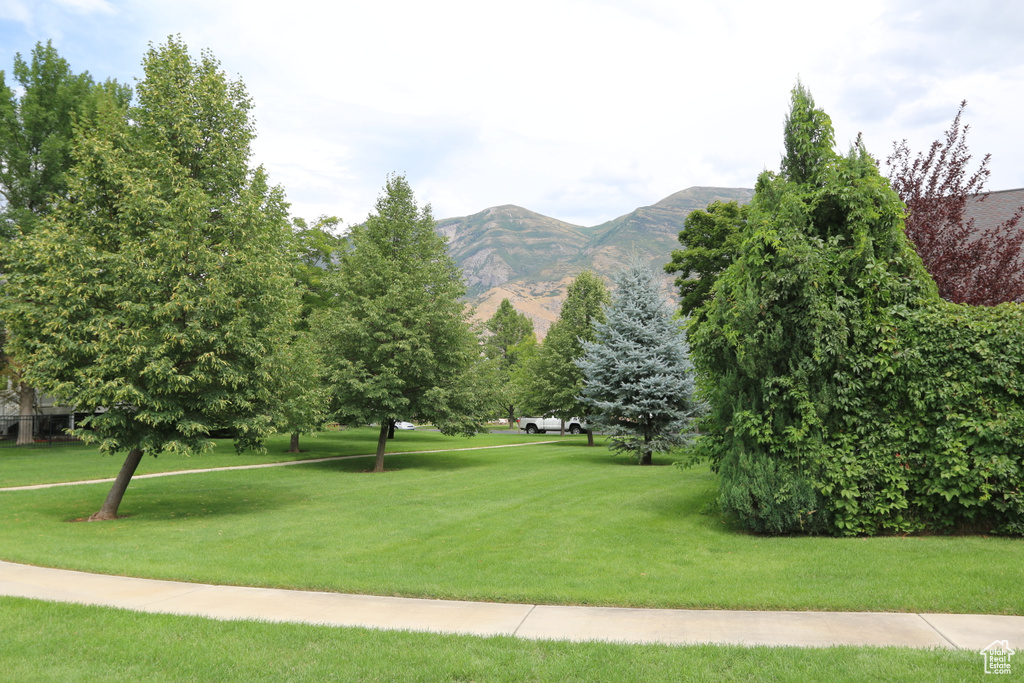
[[554, 622]]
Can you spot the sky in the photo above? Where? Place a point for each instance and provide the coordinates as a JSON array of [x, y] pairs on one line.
[[581, 110]]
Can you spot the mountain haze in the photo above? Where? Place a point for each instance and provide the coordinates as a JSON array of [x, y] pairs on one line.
[[512, 252]]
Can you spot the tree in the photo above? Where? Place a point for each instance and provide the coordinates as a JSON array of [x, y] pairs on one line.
[[980, 267], [638, 379], [37, 132], [36, 135], [398, 344], [511, 333], [711, 240], [797, 354], [809, 140], [316, 250], [550, 381], [157, 294], [302, 395]]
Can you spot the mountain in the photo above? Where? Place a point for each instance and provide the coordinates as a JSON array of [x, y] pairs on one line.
[[511, 252]]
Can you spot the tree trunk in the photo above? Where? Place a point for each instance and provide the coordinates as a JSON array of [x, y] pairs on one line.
[[561, 431], [294, 447], [590, 437], [26, 423], [391, 429], [511, 415], [645, 458], [113, 501], [382, 441]]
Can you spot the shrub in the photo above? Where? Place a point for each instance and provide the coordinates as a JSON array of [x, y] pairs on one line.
[[845, 394]]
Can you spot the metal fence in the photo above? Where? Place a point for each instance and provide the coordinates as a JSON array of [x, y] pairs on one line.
[[46, 430]]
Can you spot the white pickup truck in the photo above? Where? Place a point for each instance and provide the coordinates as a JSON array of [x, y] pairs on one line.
[[539, 425]]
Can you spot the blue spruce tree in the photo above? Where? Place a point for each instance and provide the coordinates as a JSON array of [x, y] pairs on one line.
[[639, 380]]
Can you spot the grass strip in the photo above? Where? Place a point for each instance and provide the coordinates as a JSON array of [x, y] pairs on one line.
[[58, 642]]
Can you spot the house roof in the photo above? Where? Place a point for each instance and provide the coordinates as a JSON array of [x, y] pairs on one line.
[[993, 208]]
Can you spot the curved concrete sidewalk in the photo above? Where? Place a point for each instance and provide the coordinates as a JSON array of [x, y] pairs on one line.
[[613, 624]]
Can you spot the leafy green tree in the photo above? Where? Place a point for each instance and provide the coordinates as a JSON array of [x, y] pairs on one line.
[[316, 251], [509, 328], [304, 395], [809, 140], [158, 293], [711, 240], [798, 336], [550, 381], [511, 333], [37, 129], [398, 345], [638, 379]]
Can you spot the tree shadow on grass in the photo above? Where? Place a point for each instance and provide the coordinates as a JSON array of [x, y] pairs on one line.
[[185, 501], [604, 457], [446, 461]]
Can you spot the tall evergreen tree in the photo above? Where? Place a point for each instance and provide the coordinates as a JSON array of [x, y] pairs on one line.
[[158, 292], [638, 379], [398, 345]]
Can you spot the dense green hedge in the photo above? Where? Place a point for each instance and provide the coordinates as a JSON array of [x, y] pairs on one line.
[[846, 397]]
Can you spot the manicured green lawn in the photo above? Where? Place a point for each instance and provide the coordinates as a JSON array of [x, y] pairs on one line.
[[55, 642], [42, 465], [553, 523]]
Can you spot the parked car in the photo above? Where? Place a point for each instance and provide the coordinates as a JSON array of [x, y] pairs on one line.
[[404, 425], [540, 425]]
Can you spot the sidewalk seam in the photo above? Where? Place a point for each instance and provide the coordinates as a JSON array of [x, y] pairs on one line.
[[523, 620], [934, 628]]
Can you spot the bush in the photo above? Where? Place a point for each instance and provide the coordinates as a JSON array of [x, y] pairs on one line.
[[839, 382]]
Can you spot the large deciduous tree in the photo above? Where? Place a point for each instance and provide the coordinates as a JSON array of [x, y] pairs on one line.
[[157, 293], [397, 344], [711, 240], [37, 128], [549, 381], [969, 265], [303, 394], [511, 338], [638, 379]]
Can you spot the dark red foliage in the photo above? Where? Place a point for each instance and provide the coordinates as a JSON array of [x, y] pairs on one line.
[[979, 265]]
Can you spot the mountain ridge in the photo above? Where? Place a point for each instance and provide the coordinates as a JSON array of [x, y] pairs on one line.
[[508, 251]]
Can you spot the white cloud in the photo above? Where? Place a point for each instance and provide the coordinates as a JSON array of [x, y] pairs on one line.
[[579, 109], [86, 6]]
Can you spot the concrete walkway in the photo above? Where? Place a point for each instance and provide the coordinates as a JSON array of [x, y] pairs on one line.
[[669, 626]]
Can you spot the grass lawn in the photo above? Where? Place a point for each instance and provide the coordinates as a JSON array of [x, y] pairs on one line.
[[54, 642], [78, 462], [552, 523]]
